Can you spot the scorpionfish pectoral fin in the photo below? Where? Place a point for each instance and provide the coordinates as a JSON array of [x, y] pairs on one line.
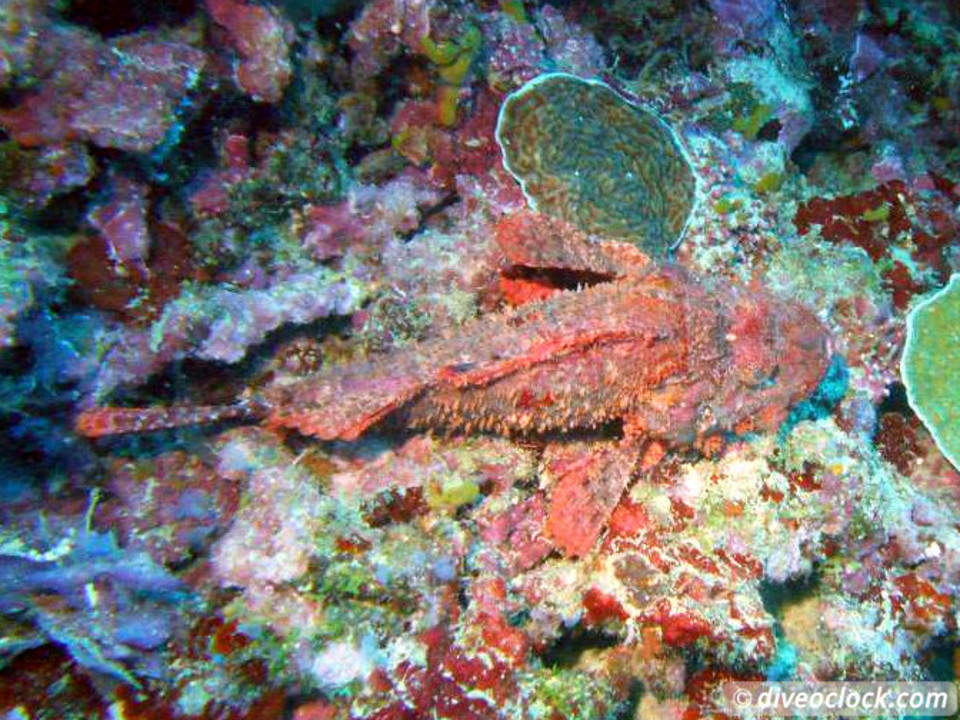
[[589, 479]]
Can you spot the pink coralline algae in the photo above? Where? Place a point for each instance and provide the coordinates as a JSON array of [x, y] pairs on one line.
[[569, 48], [681, 569], [221, 323], [467, 151], [522, 50], [211, 196], [129, 100], [384, 28], [122, 222], [651, 569], [261, 38], [271, 539], [172, 506], [517, 53], [426, 464], [369, 217], [516, 527]]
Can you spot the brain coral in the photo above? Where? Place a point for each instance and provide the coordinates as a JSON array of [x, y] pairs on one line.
[[931, 366], [583, 153]]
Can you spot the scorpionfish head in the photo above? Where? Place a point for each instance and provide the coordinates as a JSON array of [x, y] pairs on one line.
[[779, 354]]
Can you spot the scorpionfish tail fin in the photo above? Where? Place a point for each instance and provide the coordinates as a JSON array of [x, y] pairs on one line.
[[99, 422]]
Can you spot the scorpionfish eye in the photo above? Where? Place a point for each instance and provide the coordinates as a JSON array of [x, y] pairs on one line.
[[752, 337]]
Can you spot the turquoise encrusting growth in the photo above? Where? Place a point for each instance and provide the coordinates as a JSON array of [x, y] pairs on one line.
[[500, 360], [931, 366]]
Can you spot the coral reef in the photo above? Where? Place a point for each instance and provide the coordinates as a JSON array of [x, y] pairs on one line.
[[439, 420]]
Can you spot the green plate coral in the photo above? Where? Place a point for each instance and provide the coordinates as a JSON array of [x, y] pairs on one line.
[[583, 153], [931, 366]]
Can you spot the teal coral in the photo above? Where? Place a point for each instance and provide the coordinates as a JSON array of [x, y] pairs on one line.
[[929, 368], [582, 153]]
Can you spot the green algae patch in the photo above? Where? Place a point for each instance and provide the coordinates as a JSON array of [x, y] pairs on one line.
[[452, 492], [750, 125], [768, 183], [877, 214], [727, 204], [930, 367], [514, 8]]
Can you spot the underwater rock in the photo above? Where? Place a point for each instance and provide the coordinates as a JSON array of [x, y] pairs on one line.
[[21, 22], [26, 273], [129, 100], [122, 221], [106, 604], [172, 505], [749, 18], [261, 38], [568, 47], [383, 29], [220, 323], [369, 217], [516, 55], [34, 176]]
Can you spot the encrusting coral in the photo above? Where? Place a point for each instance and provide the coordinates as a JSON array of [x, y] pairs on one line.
[[585, 154], [930, 370]]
